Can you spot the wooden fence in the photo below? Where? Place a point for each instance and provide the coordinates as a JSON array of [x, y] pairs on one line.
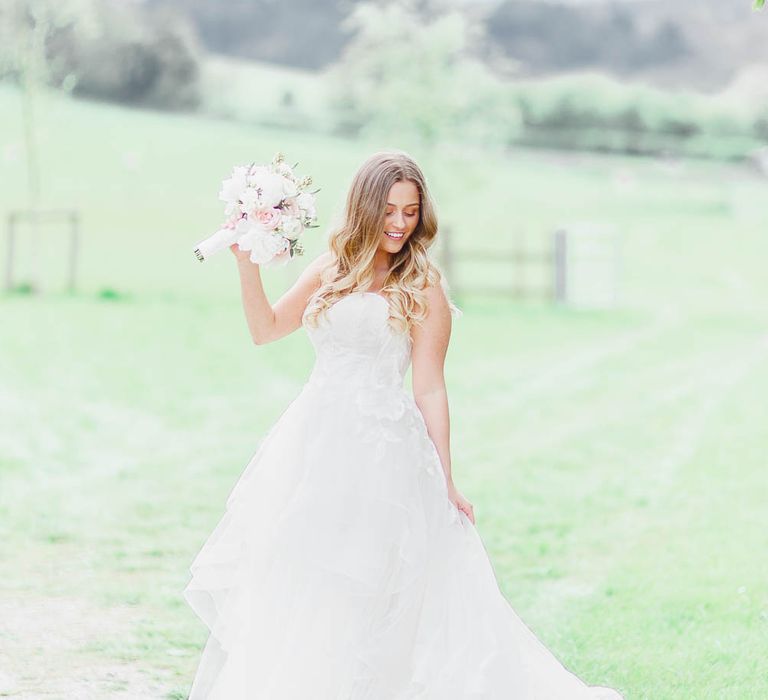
[[37, 217], [579, 265]]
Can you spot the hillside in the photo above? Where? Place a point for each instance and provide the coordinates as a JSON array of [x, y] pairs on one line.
[[703, 46]]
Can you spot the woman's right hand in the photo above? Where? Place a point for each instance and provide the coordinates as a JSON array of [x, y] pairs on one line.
[[241, 255]]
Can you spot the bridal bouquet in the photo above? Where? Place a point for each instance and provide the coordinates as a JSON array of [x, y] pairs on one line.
[[267, 210]]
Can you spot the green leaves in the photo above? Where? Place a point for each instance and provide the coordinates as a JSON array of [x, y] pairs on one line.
[[759, 4]]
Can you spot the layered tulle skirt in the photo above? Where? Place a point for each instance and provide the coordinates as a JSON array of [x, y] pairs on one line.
[[341, 571]]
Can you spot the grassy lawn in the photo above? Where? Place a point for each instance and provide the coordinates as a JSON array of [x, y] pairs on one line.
[[616, 459]]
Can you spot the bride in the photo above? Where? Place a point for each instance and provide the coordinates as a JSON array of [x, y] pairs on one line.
[[347, 565]]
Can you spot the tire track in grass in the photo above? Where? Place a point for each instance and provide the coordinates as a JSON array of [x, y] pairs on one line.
[[520, 391], [691, 580], [571, 605], [626, 524], [636, 400], [581, 363]]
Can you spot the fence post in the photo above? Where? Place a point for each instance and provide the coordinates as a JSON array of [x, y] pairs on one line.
[[10, 249], [518, 264], [37, 217], [74, 241], [560, 268], [447, 259]]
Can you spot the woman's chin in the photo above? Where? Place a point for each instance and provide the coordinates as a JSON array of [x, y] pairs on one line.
[[391, 245]]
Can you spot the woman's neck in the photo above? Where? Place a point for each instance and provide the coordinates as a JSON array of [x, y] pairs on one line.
[[381, 262]]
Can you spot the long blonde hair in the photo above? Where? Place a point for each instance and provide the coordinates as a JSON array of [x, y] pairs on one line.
[[353, 244]]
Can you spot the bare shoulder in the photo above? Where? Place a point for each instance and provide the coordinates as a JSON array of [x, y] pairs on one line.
[[310, 275], [318, 263], [323, 259], [437, 302], [435, 329]]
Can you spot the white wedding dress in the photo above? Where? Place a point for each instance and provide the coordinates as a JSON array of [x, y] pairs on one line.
[[341, 570]]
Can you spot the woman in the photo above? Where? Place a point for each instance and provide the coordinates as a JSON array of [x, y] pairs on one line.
[[347, 565]]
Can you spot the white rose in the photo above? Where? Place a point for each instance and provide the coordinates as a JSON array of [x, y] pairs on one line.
[[306, 201], [258, 174], [271, 190], [291, 208], [232, 188], [291, 227], [289, 187], [247, 227], [264, 245], [282, 258], [250, 198]]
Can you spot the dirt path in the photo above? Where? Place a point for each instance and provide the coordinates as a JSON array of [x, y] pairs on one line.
[[45, 653]]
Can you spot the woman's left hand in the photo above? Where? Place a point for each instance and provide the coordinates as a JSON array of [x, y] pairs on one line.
[[460, 502]]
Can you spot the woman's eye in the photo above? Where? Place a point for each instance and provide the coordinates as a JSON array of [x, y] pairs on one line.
[[405, 213]]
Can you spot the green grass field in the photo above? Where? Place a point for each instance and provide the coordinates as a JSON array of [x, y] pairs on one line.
[[616, 459]]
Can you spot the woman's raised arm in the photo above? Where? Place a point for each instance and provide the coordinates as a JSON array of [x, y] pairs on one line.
[[267, 323]]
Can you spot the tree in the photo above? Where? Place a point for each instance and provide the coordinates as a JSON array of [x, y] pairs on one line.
[[96, 48], [411, 74], [26, 27]]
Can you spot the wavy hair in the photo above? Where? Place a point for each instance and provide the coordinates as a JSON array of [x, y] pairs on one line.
[[354, 241]]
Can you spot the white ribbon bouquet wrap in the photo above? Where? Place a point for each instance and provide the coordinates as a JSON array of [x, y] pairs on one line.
[[267, 210]]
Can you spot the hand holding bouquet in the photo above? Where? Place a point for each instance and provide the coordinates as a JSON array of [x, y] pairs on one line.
[[267, 210]]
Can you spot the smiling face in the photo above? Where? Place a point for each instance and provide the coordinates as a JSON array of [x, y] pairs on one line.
[[402, 215]]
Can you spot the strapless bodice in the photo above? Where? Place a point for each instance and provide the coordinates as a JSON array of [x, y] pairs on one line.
[[354, 344]]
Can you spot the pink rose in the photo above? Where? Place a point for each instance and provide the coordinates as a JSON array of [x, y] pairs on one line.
[[269, 218]]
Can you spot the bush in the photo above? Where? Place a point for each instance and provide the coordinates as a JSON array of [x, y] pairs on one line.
[[131, 56], [594, 112]]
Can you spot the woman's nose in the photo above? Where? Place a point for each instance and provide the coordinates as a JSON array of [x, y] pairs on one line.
[[399, 221]]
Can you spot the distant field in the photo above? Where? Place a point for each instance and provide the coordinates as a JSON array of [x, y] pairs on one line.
[[616, 459], [261, 93]]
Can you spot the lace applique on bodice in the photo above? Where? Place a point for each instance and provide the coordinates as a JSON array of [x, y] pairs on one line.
[[354, 344], [361, 361]]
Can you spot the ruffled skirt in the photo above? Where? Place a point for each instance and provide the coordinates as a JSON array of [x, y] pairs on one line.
[[341, 571]]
